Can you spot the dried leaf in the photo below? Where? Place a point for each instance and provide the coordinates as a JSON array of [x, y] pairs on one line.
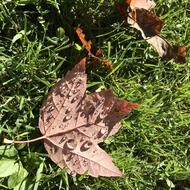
[[148, 23], [150, 27], [81, 35], [87, 45], [73, 124]]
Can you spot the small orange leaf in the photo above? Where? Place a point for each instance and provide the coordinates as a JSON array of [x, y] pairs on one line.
[[81, 35], [87, 45]]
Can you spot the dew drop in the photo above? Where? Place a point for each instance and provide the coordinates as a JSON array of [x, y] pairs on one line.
[[63, 93], [51, 108], [101, 115], [82, 107], [62, 139], [75, 91], [103, 131], [82, 114], [62, 87], [86, 145], [85, 163], [70, 94], [74, 99], [68, 110], [78, 83], [67, 118], [70, 144], [49, 118]]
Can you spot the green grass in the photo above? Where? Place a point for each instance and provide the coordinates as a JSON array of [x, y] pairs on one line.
[[38, 45]]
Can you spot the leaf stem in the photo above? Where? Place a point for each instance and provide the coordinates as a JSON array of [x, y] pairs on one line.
[[7, 141]]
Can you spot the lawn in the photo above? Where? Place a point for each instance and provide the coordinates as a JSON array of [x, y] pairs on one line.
[[38, 45]]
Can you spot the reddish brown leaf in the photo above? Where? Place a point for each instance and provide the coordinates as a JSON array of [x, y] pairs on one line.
[[73, 124], [148, 22], [150, 26], [87, 45], [81, 35]]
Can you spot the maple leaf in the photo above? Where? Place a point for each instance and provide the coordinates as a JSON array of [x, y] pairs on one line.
[[73, 123]]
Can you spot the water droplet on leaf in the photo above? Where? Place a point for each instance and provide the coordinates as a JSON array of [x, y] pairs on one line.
[[103, 131], [68, 110], [75, 91], [86, 145], [74, 99], [70, 144], [62, 139], [67, 118]]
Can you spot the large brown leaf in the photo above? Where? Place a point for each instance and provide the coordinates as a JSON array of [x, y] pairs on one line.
[[73, 124]]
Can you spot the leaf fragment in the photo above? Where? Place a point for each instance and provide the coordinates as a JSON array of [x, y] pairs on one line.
[[87, 45], [81, 35]]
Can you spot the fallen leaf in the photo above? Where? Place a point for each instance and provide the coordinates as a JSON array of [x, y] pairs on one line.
[[179, 53], [148, 23], [74, 123], [81, 35], [150, 27], [87, 45]]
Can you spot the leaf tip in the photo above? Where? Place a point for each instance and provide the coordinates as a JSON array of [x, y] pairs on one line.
[[125, 107], [134, 105], [81, 66], [83, 61]]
